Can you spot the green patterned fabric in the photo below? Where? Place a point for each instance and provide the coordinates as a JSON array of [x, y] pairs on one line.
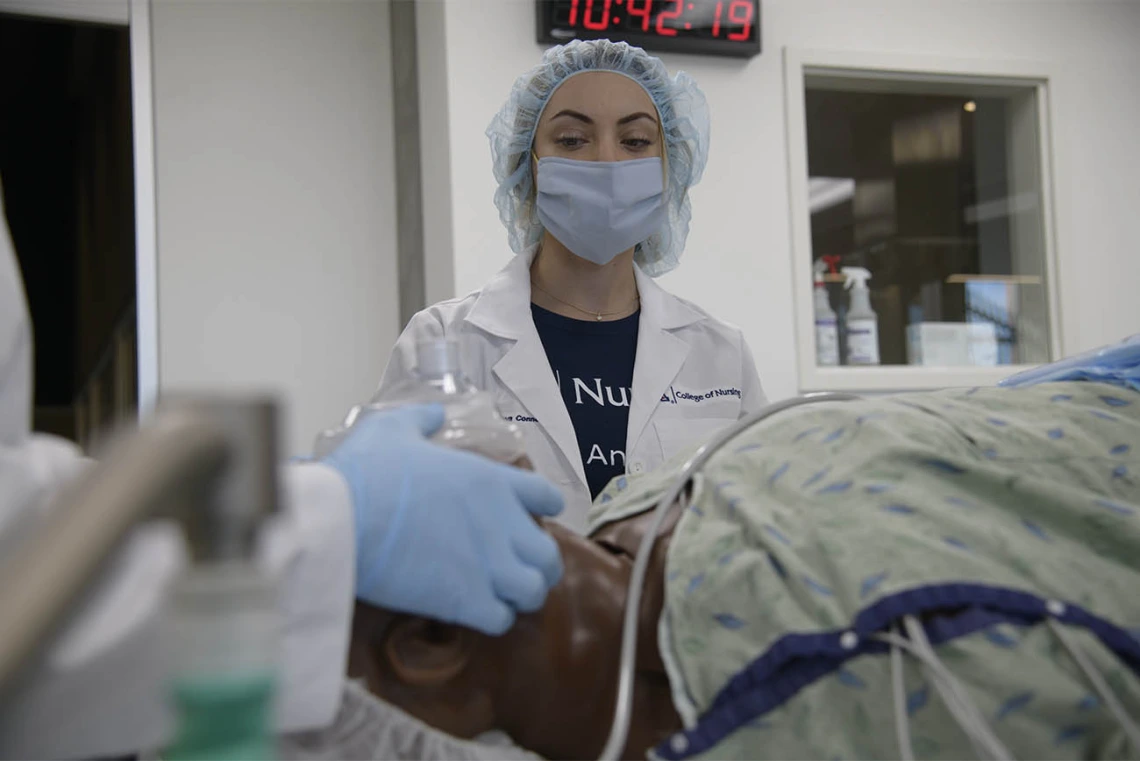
[[1025, 685], [821, 512]]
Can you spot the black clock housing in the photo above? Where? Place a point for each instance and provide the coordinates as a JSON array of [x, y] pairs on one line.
[[699, 27]]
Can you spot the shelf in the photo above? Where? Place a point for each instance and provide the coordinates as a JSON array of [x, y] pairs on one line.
[[904, 377]]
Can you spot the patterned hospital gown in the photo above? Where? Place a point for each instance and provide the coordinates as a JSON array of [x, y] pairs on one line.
[[981, 511]]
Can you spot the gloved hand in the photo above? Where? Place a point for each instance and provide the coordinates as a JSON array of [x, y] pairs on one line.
[[443, 533]]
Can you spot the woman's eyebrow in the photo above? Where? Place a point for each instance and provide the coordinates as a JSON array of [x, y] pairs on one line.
[[579, 116], [635, 116], [573, 115]]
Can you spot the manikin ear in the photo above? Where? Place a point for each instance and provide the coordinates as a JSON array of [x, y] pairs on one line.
[[424, 653]]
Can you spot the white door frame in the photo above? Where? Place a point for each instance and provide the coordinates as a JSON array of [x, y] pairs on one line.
[[135, 15]]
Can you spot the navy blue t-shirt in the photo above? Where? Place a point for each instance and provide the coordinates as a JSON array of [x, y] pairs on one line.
[[593, 363]]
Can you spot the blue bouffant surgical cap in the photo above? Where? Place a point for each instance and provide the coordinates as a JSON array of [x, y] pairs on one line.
[[684, 120]]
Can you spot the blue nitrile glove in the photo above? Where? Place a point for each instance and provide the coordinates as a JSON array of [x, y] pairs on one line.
[[442, 533]]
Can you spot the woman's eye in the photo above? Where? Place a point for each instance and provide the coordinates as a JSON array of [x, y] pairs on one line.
[[570, 141], [637, 143]]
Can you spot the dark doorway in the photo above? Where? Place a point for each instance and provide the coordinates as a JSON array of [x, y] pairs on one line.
[[66, 162]]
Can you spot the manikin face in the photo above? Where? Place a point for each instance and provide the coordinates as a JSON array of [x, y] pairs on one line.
[[550, 682]]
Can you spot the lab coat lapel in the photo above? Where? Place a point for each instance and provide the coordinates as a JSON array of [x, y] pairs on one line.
[[526, 372], [503, 309], [660, 354]]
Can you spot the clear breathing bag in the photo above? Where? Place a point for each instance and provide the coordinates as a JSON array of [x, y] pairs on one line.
[[472, 421]]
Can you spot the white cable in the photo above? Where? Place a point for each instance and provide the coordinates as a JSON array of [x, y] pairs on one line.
[[978, 727], [941, 679], [953, 695], [902, 718], [948, 686], [1098, 683]]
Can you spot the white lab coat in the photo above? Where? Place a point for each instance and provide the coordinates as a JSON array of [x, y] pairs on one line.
[[101, 690], [693, 374]]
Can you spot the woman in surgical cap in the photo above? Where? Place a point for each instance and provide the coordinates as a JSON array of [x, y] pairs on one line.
[[608, 374]]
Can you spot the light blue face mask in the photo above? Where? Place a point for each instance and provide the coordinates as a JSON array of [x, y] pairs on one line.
[[598, 209]]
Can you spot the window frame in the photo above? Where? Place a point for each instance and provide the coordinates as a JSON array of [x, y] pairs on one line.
[[917, 74]]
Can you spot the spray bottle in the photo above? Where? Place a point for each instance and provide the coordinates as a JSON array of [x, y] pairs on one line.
[[862, 322], [471, 419], [826, 324]]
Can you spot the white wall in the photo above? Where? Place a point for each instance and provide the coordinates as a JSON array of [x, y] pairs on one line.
[[276, 206], [738, 262]]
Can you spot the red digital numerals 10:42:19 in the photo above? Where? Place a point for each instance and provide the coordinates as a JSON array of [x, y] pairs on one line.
[[739, 14]]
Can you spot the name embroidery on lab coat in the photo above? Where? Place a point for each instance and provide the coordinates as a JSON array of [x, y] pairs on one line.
[[676, 397]]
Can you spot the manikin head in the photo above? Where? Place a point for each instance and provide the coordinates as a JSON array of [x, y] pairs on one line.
[[550, 682]]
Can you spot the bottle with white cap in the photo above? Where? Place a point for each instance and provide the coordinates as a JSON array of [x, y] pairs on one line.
[[826, 324], [471, 419], [862, 322]]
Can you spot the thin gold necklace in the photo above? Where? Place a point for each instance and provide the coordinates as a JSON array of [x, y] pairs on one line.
[[597, 315]]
